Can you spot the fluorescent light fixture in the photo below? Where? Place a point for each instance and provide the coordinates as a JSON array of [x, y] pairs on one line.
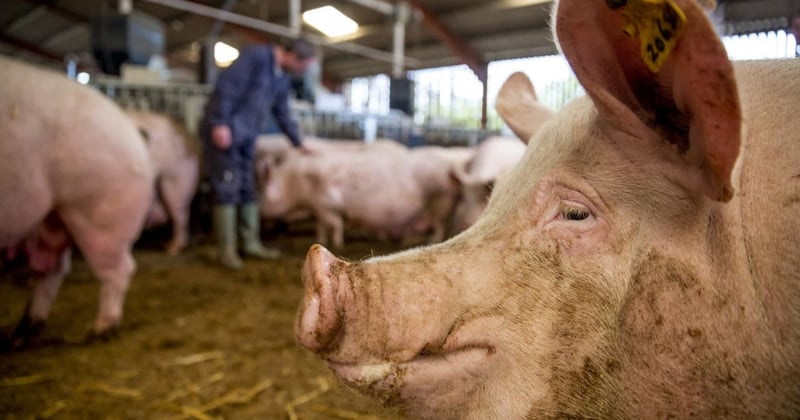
[[224, 54], [330, 21], [83, 77]]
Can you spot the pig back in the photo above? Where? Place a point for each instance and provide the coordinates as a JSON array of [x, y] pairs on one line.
[[494, 157], [168, 141], [769, 185]]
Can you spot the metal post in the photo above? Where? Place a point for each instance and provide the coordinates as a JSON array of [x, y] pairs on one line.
[[71, 63], [208, 67], [294, 16], [400, 19]]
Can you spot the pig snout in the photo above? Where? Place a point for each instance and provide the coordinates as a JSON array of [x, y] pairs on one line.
[[319, 320]]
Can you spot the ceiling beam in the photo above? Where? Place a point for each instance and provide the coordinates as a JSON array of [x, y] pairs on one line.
[[61, 34], [29, 47], [60, 10], [483, 10], [275, 29], [384, 7], [25, 18], [465, 52], [496, 46]]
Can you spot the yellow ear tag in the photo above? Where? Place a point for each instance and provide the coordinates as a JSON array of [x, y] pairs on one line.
[[659, 24]]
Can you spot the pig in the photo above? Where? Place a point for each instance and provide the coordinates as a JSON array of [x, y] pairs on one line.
[[175, 155], [272, 147], [496, 155], [76, 172], [272, 150], [641, 261], [387, 193], [457, 157], [493, 158]]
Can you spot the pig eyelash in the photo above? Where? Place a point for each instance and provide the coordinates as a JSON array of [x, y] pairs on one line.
[[574, 214]]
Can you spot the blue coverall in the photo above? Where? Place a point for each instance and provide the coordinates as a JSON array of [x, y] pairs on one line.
[[243, 94]]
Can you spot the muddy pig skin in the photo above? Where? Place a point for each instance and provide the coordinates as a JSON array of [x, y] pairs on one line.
[[641, 261], [75, 172], [174, 152]]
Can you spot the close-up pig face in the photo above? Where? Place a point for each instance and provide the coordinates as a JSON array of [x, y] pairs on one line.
[[623, 269], [502, 317]]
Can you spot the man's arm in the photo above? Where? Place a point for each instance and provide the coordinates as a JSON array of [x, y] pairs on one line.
[[284, 119], [231, 85]]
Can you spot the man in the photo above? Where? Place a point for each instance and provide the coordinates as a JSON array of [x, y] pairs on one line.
[[255, 84]]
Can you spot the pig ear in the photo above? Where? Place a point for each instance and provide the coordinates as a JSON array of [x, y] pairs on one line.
[[517, 105], [673, 75]]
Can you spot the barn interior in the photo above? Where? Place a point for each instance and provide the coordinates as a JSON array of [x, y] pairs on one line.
[[199, 341]]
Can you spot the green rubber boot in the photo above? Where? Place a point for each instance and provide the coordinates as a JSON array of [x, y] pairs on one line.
[[225, 230], [250, 231]]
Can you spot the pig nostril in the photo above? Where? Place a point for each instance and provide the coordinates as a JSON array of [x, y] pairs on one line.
[[318, 322], [307, 334]]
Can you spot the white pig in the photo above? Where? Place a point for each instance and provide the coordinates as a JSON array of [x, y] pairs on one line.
[[641, 261], [175, 157], [387, 193], [75, 172], [492, 160]]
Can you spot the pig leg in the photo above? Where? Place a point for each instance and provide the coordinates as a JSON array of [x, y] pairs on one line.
[[333, 220], [322, 232], [438, 233], [113, 265], [105, 232], [44, 294], [175, 193]]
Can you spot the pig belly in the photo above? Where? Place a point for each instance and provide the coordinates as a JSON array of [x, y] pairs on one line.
[[156, 216], [42, 246], [26, 196]]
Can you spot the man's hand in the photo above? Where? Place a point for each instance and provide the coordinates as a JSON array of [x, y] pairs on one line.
[[221, 136], [308, 150]]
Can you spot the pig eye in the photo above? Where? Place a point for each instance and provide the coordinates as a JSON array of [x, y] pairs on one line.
[[572, 213]]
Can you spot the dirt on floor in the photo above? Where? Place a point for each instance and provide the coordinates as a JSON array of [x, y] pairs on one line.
[[197, 342]]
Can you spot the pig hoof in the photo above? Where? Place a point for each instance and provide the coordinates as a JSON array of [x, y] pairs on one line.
[[27, 329], [175, 248], [104, 336]]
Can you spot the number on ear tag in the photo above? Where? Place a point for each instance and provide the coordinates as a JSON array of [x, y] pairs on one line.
[[659, 24]]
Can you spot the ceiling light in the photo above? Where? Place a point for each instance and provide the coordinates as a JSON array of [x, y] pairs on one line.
[[224, 54], [83, 78], [330, 21]]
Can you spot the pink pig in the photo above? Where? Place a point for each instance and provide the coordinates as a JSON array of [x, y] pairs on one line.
[[174, 152], [75, 172], [641, 261]]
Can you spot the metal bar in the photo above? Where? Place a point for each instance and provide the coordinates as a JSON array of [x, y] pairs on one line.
[[59, 36], [64, 12], [460, 48], [294, 16], [217, 27], [279, 30], [34, 49], [125, 6], [26, 18], [399, 39], [384, 7]]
